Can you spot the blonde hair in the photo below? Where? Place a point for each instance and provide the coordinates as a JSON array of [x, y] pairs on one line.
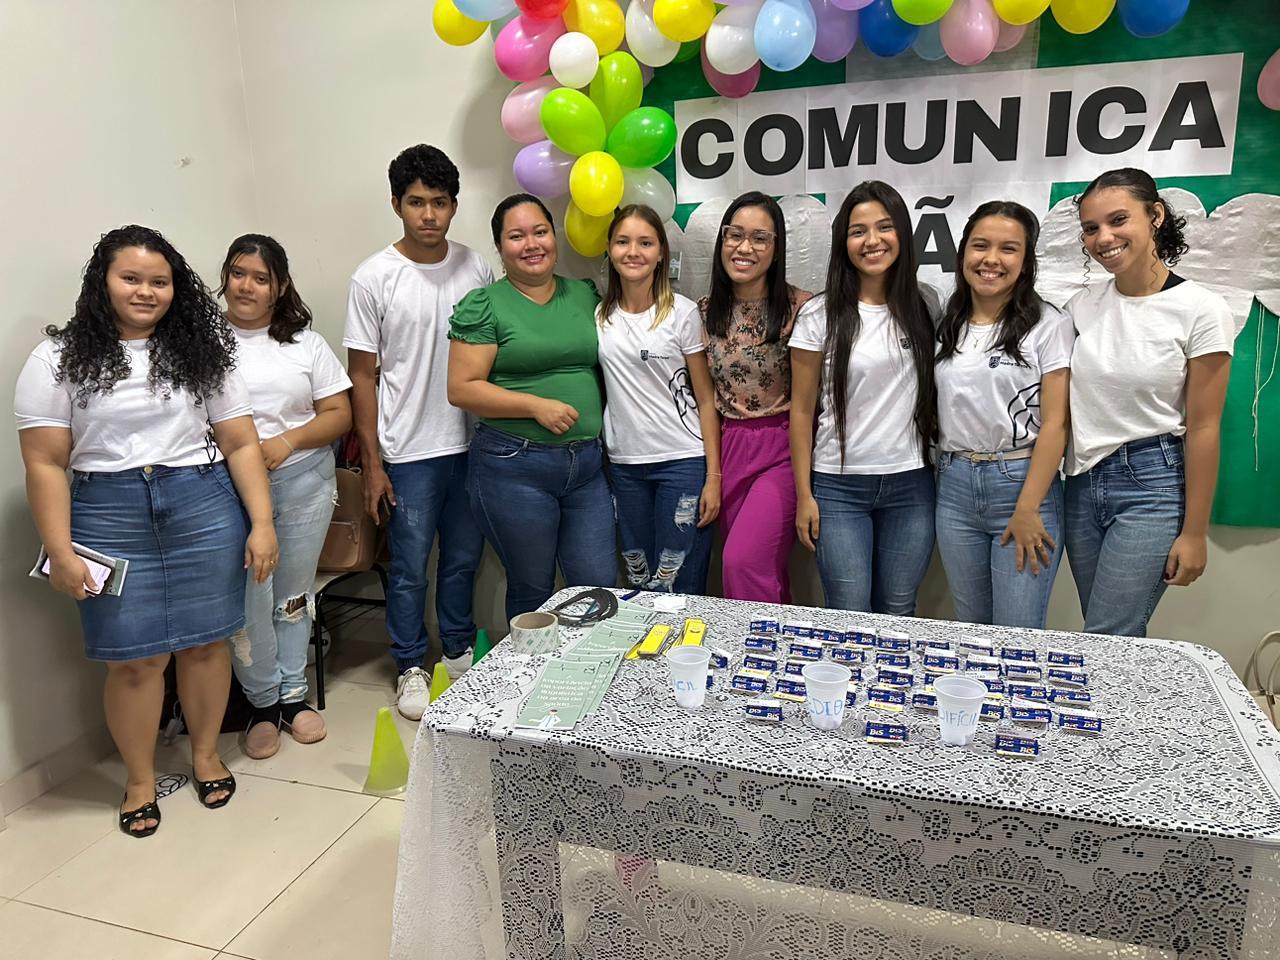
[[663, 296]]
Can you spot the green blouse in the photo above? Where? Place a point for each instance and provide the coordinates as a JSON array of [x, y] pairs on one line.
[[546, 350]]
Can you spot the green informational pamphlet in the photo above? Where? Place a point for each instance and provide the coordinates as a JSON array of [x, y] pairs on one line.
[[560, 696]]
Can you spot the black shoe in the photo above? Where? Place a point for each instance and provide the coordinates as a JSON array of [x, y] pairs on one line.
[[148, 811], [206, 787]]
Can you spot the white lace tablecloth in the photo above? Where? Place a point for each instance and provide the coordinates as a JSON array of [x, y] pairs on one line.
[[654, 832]]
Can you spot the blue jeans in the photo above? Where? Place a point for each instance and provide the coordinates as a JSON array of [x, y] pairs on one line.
[[271, 661], [540, 504], [431, 499], [662, 545], [1122, 518], [975, 504], [875, 538]]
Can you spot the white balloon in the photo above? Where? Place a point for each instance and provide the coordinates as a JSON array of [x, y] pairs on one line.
[[730, 43], [646, 185], [574, 60], [647, 43]]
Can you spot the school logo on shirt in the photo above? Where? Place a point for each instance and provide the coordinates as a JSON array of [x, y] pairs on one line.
[[993, 361], [904, 343], [647, 355]]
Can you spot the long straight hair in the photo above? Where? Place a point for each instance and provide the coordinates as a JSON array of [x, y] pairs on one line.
[[1022, 310], [907, 308], [663, 296], [777, 294], [289, 314]]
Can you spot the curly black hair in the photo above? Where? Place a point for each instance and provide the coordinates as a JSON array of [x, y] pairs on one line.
[[1170, 238], [289, 313], [426, 163], [192, 347]]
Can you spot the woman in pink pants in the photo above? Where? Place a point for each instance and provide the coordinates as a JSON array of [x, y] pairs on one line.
[[748, 317]]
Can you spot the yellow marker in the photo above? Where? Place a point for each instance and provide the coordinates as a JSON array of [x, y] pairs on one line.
[[652, 643], [693, 634]]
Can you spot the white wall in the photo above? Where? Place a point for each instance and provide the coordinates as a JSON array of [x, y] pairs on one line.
[[119, 112]]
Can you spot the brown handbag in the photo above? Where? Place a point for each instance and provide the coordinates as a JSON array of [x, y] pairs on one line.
[[351, 543]]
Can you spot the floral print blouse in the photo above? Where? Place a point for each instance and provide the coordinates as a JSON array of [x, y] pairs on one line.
[[752, 378]]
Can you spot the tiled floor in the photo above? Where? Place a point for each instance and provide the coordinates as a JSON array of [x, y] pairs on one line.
[[300, 864]]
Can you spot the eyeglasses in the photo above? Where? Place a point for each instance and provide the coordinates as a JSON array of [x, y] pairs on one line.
[[760, 239]]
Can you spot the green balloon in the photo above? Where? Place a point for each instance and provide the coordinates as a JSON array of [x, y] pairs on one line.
[[643, 138], [617, 87], [688, 50], [920, 12], [572, 122]]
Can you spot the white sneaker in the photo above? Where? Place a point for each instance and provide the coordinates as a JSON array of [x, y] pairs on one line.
[[413, 694], [457, 666]]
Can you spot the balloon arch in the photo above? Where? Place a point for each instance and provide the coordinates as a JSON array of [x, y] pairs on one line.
[[601, 146]]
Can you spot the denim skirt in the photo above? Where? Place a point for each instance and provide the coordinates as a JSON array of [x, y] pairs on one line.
[[183, 531]]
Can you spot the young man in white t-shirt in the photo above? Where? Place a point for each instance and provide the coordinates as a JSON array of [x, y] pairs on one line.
[[413, 443]]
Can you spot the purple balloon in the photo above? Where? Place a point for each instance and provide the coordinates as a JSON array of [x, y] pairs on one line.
[[730, 85], [543, 170], [851, 4], [837, 31]]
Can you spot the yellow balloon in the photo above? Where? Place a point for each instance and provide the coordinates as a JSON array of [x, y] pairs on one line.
[[588, 235], [601, 20], [453, 27], [595, 183], [1081, 16], [683, 20], [1019, 11]]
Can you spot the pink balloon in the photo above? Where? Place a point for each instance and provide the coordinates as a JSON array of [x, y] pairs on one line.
[[1010, 36], [837, 31], [522, 50], [852, 4], [730, 85], [969, 31], [520, 110], [1269, 83]]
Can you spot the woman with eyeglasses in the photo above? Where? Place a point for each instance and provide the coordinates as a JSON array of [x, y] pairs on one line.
[[748, 317]]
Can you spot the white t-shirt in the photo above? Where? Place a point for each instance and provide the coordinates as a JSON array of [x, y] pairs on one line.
[[987, 401], [286, 379], [650, 413], [1129, 368], [399, 310], [131, 426], [880, 405]]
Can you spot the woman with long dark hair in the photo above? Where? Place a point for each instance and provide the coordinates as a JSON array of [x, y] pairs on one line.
[[139, 397], [748, 316], [1148, 382], [661, 429], [300, 406], [1002, 376], [864, 490], [523, 358]]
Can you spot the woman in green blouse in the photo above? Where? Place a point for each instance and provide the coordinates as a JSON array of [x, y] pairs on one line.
[[523, 360]]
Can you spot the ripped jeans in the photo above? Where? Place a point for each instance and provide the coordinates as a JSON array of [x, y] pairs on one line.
[[270, 657], [663, 547]]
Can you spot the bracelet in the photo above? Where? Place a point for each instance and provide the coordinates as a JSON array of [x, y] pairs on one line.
[[710, 474], [287, 443]]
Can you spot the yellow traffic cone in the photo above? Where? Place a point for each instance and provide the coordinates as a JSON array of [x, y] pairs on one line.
[[439, 681], [388, 764]]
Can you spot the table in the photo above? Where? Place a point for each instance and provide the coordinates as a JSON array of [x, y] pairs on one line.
[[653, 832]]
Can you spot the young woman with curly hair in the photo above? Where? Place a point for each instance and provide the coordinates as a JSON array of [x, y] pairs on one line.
[[299, 394], [139, 397], [1148, 382]]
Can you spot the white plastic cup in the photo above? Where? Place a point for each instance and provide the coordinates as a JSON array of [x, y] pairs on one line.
[[689, 675], [534, 634], [959, 707], [825, 688]]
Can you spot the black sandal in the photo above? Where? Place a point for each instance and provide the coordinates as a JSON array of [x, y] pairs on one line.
[[148, 811], [206, 787]]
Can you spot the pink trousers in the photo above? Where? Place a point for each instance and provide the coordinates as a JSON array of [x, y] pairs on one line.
[[757, 509]]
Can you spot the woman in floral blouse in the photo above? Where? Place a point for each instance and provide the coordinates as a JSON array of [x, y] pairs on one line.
[[748, 318]]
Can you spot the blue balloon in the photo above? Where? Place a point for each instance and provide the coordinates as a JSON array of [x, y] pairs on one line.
[[785, 33], [485, 10], [928, 43], [884, 32], [1150, 18]]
